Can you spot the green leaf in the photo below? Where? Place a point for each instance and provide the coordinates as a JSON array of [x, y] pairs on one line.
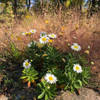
[[72, 89], [66, 87], [23, 77], [51, 95], [40, 86], [46, 97], [78, 84], [70, 75], [41, 95], [85, 81]]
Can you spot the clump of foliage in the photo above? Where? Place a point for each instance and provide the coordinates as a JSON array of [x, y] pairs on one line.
[[50, 70]]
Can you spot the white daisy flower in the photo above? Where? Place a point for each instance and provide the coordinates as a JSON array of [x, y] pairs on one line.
[[44, 40], [76, 47], [52, 36], [77, 68], [50, 78], [43, 34], [29, 45], [33, 31], [26, 64], [25, 33]]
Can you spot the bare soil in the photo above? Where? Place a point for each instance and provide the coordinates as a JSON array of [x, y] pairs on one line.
[[84, 94]]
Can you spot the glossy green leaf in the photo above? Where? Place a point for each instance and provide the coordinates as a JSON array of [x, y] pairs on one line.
[[41, 95]]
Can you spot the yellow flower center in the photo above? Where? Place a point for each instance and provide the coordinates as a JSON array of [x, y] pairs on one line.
[[50, 40], [25, 33], [76, 47], [29, 33], [52, 35], [26, 64], [77, 68], [33, 31], [43, 39], [50, 78]]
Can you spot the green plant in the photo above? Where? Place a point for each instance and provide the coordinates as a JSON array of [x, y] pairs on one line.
[[14, 51], [8, 82], [34, 53], [52, 59], [60, 76], [14, 55], [46, 90], [76, 79], [69, 68], [43, 57], [29, 75]]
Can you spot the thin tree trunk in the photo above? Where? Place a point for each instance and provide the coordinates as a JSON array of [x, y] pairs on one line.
[[28, 3], [93, 3], [15, 7]]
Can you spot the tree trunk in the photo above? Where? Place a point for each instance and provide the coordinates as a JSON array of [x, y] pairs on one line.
[[28, 3], [93, 3], [15, 7]]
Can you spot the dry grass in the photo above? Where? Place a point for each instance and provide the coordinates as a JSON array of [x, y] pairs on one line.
[[70, 27]]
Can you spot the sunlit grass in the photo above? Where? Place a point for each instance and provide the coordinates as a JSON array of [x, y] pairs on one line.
[[67, 28]]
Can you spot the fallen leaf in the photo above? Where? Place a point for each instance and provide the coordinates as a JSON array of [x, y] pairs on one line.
[[29, 84], [87, 52]]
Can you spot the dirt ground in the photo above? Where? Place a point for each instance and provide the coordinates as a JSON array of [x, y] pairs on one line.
[[84, 94]]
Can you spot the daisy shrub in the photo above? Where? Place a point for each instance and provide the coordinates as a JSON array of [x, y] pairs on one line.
[[51, 70]]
